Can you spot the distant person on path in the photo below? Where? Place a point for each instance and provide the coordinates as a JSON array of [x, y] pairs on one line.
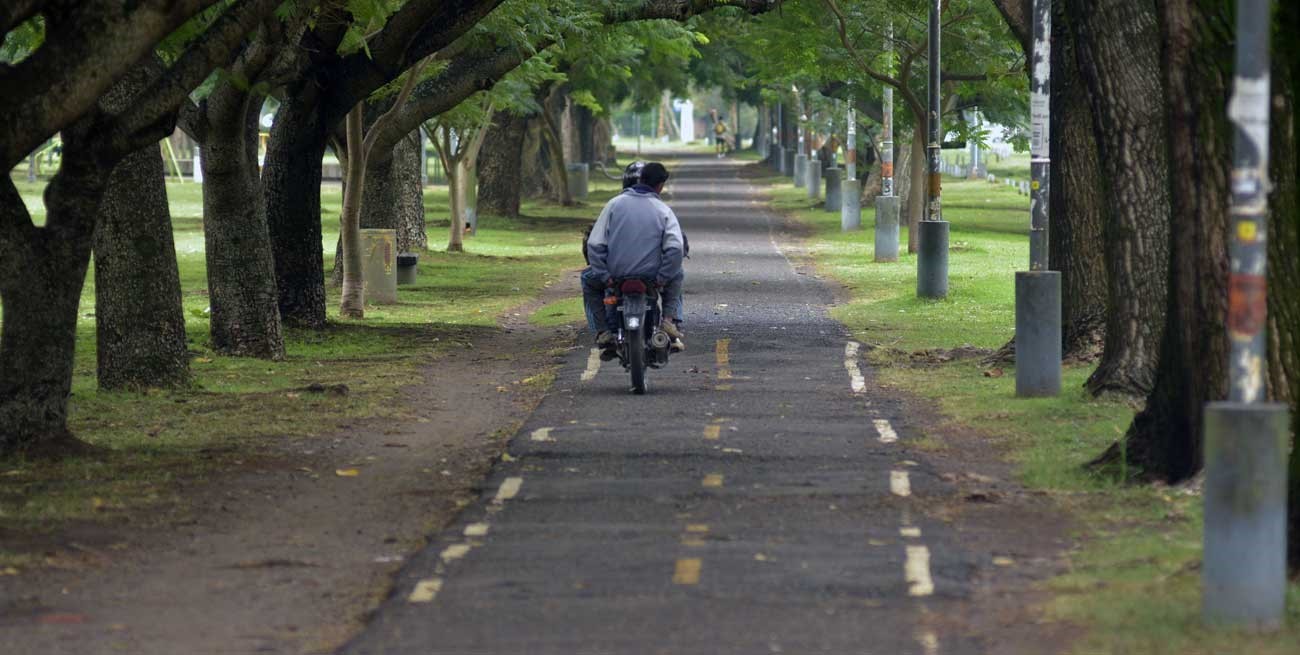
[[636, 236], [720, 136]]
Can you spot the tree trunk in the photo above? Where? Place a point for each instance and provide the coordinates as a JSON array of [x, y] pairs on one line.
[[500, 166], [1118, 51], [1284, 243], [352, 300], [245, 316], [916, 192], [394, 197], [42, 272], [456, 173], [1165, 439], [140, 326], [1078, 201], [291, 182]]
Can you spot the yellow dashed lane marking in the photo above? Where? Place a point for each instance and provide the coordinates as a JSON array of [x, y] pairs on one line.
[[712, 480], [712, 432], [723, 352], [687, 571]]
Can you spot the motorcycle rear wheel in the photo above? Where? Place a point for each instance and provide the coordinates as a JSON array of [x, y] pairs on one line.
[[636, 359]]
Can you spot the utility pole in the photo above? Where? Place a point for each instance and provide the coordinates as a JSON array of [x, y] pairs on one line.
[[1243, 576], [886, 243], [638, 135], [1038, 290], [932, 251]]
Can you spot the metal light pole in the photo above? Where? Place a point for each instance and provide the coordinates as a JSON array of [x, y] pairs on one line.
[[850, 188], [801, 155], [932, 250], [886, 241], [638, 135], [1038, 290], [1243, 577]]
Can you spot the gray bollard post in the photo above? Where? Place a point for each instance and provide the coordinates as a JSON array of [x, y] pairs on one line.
[[932, 259], [1038, 334], [787, 163], [813, 179], [833, 188], [379, 265], [1243, 573], [887, 228], [850, 205], [800, 169], [780, 159], [578, 174]]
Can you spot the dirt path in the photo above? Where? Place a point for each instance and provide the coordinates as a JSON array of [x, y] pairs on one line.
[[290, 553]]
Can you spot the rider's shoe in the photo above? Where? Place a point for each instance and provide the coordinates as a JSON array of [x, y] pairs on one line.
[[670, 328], [677, 345], [604, 339]]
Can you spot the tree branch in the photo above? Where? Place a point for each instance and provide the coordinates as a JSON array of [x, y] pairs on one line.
[[89, 49]]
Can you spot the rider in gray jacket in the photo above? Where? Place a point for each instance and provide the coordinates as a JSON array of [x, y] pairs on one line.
[[637, 236]]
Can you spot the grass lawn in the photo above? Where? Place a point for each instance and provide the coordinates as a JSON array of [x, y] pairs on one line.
[[1135, 580], [237, 407]]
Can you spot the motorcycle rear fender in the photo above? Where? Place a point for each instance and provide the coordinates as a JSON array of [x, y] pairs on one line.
[[633, 307]]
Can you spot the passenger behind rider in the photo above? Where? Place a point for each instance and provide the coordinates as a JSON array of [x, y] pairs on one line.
[[636, 236]]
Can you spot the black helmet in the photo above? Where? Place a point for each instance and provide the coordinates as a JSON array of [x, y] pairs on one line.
[[632, 174], [653, 174]]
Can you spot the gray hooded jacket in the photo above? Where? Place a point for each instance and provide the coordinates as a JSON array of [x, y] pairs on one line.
[[636, 236]]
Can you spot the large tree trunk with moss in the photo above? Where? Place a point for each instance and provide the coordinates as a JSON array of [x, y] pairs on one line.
[[1284, 243], [1165, 439], [291, 181], [1118, 48], [140, 326], [500, 167], [245, 316]]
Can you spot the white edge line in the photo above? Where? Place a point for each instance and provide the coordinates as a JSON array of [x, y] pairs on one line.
[[542, 434], [856, 381], [425, 591]]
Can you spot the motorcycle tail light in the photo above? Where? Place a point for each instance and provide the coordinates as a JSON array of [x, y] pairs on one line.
[[611, 300]]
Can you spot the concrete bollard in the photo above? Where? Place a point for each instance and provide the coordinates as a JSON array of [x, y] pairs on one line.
[[833, 188], [800, 170], [1243, 574], [813, 179], [1038, 334], [850, 205], [578, 175], [787, 163], [932, 260], [887, 208], [379, 265]]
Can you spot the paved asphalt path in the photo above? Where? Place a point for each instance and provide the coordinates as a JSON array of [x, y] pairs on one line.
[[759, 499]]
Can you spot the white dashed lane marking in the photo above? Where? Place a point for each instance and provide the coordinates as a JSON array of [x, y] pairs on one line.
[[917, 571], [509, 489], [900, 484], [856, 381], [593, 365], [542, 434], [885, 430], [425, 591]]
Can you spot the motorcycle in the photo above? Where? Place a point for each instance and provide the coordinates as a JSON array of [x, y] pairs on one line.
[[640, 344]]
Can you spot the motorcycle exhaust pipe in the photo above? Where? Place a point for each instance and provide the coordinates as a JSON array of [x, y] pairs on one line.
[[659, 340]]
